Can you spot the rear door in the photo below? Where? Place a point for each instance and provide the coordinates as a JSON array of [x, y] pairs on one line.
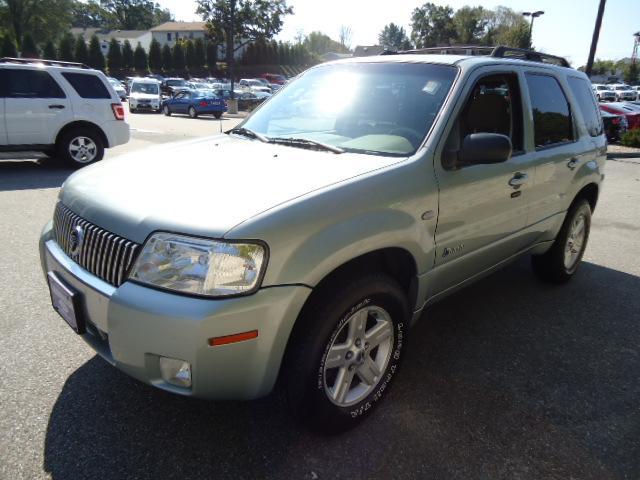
[[3, 120], [35, 107]]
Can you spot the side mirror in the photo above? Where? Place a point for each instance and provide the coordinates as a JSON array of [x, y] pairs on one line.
[[484, 148]]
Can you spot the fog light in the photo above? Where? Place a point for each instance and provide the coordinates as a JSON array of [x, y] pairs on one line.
[[176, 372]]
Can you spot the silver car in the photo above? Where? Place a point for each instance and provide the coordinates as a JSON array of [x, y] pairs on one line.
[[300, 247]]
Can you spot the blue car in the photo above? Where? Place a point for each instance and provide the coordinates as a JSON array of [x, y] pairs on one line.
[[194, 103]]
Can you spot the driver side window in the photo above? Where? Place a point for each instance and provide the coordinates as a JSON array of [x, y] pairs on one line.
[[494, 106]]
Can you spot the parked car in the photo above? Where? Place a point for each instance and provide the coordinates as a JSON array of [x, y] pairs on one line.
[[157, 76], [145, 95], [632, 116], [604, 93], [274, 78], [195, 103], [299, 248], [170, 86], [624, 93], [254, 85], [118, 87], [614, 125], [59, 108]]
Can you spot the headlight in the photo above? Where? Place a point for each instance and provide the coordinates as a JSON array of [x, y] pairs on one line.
[[200, 266]]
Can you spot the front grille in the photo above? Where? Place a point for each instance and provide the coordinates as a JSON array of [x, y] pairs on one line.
[[104, 254]]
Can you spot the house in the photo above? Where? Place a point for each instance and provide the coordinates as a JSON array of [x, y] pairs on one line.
[[169, 33], [368, 50], [105, 36]]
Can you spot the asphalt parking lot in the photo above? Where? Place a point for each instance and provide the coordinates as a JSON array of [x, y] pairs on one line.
[[509, 378]]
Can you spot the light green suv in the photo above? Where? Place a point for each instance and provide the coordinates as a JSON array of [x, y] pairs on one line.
[[299, 248]]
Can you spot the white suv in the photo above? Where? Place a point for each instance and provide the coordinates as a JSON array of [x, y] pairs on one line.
[[60, 108]]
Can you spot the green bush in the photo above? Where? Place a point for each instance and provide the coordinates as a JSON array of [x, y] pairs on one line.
[[631, 138]]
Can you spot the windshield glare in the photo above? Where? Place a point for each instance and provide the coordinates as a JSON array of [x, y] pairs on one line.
[[151, 88], [379, 108]]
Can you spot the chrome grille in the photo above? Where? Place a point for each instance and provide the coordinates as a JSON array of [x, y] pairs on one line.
[[104, 254]]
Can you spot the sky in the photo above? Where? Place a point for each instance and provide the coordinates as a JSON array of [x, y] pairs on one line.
[[565, 29]]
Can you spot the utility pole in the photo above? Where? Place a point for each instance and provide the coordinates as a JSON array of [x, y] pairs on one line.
[[533, 16], [594, 40]]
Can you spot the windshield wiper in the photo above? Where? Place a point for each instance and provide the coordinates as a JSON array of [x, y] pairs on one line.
[[305, 143], [245, 132]]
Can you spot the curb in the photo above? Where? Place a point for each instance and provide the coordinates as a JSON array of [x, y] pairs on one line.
[[623, 155]]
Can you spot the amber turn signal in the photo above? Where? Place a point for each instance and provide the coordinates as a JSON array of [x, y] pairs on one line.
[[237, 337]]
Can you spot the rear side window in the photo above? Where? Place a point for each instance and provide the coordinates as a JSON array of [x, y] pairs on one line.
[[551, 113], [587, 104], [20, 83], [87, 85]]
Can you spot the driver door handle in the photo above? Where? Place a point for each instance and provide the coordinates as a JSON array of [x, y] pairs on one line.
[[56, 107], [518, 180]]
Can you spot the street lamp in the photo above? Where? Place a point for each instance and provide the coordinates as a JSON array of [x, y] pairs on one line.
[[532, 15]]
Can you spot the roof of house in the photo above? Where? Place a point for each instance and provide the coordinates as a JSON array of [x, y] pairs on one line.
[[181, 27], [87, 33]]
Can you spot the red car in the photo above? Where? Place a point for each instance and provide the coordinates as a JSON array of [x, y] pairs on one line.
[[274, 78], [632, 116]]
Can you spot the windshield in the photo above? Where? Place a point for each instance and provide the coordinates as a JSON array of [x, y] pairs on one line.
[[176, 83], [151, 88], [623, 87], [378, 108]]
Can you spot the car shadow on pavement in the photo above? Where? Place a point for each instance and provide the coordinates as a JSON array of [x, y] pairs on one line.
[[28, 171], [509, 378]]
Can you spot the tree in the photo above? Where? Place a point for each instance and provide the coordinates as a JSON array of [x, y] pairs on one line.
[[140, 59], [505, 27], [49, 51], [134, 14], [212, 55], [8, 46], [65, 48], [189, 54], [29, 48], [252, 20], [470, 24], [167, 58], [631, 72], [114, 56], [96, 58], [319, 43], [344, 36], [394, 37], [127, 55], [89, 15], [200, 55], [432, 26], [43, 19], [155, 56], [178, 56], [80, 53]]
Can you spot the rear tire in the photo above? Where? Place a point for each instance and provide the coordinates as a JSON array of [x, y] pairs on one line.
[[132, 110], [562, 260], [345, 352], [80, 147], [192, 112]]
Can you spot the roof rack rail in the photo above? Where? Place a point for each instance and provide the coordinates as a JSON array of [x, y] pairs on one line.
[[51, 63], [497, 52]]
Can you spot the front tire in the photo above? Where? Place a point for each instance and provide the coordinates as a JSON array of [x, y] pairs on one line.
[[561, 262], [80, 147], [345, 352], [166, 110]]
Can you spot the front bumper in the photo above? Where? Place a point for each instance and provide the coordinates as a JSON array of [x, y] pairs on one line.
[[132, 326]]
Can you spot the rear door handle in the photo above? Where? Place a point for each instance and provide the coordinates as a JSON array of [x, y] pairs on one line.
[[518, 180], [573, 163], [56, 107]]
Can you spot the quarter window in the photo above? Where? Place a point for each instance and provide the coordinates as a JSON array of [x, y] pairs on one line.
[[87, 85], [551, 114], [587, 104], [31, 84]]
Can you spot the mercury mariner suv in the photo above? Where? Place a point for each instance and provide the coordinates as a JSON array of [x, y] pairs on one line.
[[64, 109], [300, 247]]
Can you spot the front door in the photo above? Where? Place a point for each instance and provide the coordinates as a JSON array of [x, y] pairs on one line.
[[482, 208], [35, 106]]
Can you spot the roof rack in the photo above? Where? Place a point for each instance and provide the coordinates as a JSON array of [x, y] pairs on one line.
[[51, 63], [496, 52]]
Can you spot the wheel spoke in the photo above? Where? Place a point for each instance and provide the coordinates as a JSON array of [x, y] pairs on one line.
[[73, 147], [357, 324], [336, 356], [378, 334], [369, 371], [343, 384]]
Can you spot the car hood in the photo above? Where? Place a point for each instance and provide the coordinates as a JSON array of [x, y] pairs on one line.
[[205, 186]]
